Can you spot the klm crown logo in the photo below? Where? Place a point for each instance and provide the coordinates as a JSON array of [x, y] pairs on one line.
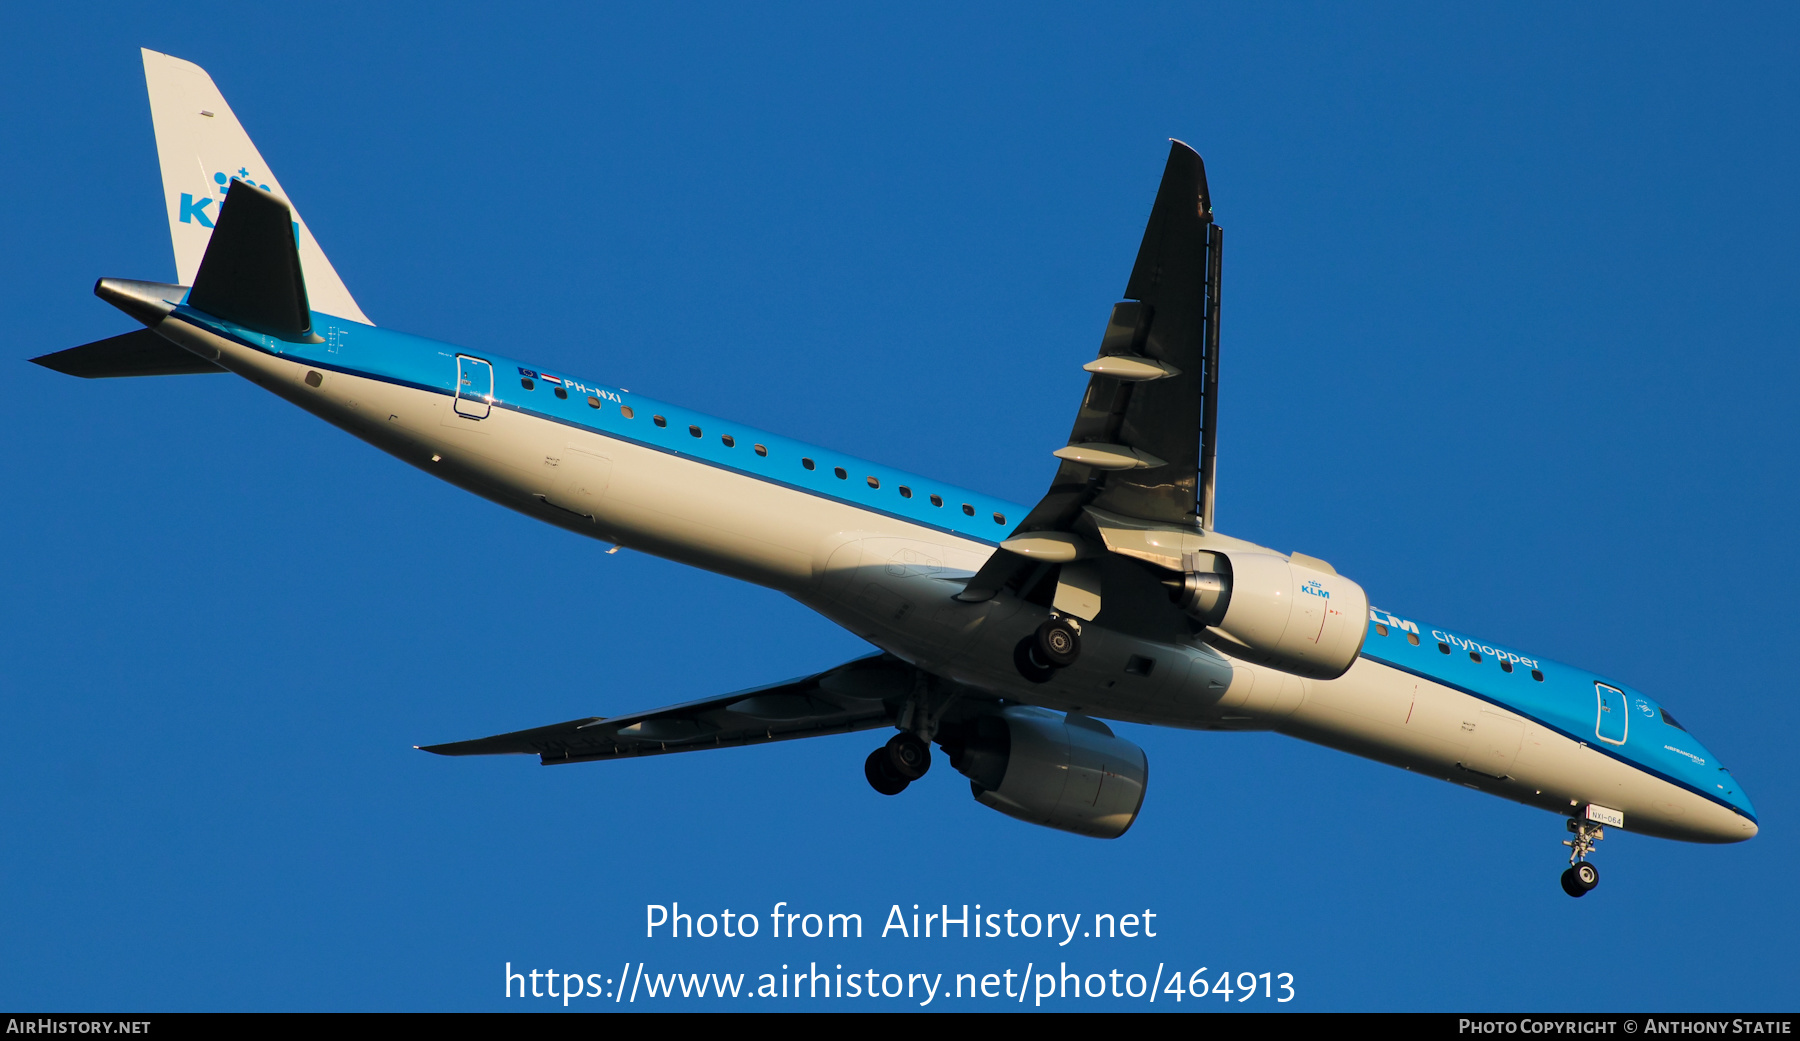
[[193, 211]]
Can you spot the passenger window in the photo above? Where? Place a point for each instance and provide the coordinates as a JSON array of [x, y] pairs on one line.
[[1412, 638], [760, 450], [842, 474], [593, 402], [999, 518], [728, 440], [873, 483], [625, 410], [1475, 656], [1380, 630], [1536, 675], [1443, 648], [968, 510], [1506, 666], [905, 492], [808, 463], [563, 393], [659, 421], [525, 381], [695, 431], [937, 500]]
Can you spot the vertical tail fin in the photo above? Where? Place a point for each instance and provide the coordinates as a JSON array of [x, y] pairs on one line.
[[202, 149]]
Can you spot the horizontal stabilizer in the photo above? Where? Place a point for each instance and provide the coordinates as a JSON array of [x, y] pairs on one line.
[[140, 353], [250, 274], [860, 695]]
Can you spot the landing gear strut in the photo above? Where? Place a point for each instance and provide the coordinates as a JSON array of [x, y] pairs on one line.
[[1581, 876], [893, 766], [1055, 645]]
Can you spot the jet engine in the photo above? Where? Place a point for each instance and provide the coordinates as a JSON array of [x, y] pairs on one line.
[[1066, 772], [1296, 615]]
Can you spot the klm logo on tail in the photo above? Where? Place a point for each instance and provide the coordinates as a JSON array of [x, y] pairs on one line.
[[193, 211]]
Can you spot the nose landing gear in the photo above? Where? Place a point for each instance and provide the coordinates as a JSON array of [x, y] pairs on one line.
[[1581, 876]]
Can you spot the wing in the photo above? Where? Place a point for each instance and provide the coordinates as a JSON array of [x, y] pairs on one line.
[[1145, 438], [860, 695]]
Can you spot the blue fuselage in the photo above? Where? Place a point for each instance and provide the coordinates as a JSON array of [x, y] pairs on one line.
[[1612, 719]]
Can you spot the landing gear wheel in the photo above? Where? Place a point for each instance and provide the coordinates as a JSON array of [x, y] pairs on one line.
[[1030, 664], [908, 756], [1057, 643], [1580, 878], [880, 774]]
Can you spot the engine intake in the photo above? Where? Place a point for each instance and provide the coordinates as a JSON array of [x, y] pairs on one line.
[[1066, 772], [1276, 611]]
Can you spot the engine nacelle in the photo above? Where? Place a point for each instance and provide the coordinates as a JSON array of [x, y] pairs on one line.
[[1277, 612], [1066, 772]]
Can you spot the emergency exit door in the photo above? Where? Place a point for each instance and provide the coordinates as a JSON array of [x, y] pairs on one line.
[[474, 387]]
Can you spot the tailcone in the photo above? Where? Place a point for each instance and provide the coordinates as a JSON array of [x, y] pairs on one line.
[[148, 302]]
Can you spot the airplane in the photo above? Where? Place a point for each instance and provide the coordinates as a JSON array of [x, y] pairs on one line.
[[1006, 634]]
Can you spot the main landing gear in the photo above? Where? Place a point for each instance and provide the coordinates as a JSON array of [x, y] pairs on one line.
[[900, 762], [907, 755], [1055, 645], [1581, 876]]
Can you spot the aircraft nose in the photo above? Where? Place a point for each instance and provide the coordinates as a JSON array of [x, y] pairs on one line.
[[1717, 823], [1734, 825], [1745, 826]]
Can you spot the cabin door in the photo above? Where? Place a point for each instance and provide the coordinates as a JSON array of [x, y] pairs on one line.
[[1613, 721]]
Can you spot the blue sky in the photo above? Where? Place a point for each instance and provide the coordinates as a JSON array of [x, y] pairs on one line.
[[1508, 337]]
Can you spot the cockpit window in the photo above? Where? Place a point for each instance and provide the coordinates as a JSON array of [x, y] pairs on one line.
[[1671, 720]]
